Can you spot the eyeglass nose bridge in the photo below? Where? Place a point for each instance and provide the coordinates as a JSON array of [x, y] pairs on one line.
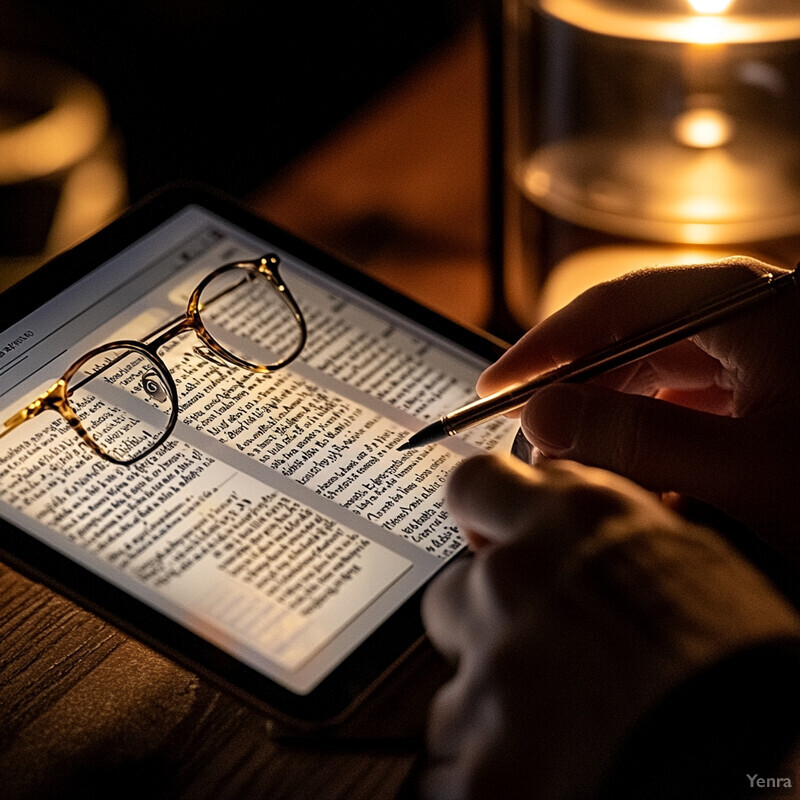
[[191, 322], [57, 398], [175, 328]]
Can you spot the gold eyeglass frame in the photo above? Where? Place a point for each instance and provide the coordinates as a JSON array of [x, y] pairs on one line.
[[57, 396]]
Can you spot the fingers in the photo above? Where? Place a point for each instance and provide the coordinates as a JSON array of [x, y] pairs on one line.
[[610, 311], [445, 607], [659, 445], [522, 644], [732, 450], [448, 729], [499, 500], [526, 518], [570, 623], [465, 753], [489, 497]]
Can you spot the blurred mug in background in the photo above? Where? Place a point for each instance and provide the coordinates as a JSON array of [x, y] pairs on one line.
[[61, 172]]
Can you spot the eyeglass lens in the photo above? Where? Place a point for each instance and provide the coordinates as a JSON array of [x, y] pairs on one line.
[[123, 400], [247, 317], [123, 397]]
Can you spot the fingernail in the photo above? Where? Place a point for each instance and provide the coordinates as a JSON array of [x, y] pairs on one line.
[[552, 417]]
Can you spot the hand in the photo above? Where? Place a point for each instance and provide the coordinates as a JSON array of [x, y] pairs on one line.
[[730, 435], [586, 601]]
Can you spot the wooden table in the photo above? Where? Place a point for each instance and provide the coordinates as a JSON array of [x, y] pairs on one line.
[[87, 712]]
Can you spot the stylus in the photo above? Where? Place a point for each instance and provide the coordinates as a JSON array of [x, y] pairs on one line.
[[622, 352]]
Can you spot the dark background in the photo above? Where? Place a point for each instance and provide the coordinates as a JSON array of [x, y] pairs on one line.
[[229, 91]]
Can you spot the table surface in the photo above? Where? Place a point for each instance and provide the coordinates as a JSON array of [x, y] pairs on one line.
[[86, 711]]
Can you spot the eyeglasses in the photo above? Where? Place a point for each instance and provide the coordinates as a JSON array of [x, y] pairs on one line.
[[121, 399]]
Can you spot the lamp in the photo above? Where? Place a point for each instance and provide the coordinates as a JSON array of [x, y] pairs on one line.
[[642, 132], [61, 172]]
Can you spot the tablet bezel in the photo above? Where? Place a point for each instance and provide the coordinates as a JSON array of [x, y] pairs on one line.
[[350, 682]]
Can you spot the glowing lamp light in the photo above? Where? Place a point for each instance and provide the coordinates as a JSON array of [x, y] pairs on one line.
[[661, 126], [703, 128], [710, 6], [59, 159]]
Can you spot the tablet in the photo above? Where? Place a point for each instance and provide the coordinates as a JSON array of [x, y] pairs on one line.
[[272, 538]]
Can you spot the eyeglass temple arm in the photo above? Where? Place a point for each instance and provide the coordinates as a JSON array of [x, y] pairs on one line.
[[54, 397], [270, 262], [49, 399], [42, 402]]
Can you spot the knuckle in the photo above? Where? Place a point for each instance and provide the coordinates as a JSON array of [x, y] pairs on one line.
[[631, 432]]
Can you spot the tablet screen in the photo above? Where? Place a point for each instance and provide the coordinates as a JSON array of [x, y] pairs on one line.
[[278, 521]]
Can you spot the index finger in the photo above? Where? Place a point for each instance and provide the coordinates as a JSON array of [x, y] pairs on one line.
[[613, 310]]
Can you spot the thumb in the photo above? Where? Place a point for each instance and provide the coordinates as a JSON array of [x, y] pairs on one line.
[[657, 444]]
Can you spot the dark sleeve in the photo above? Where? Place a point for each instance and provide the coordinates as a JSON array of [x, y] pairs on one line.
[[737, 718]]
